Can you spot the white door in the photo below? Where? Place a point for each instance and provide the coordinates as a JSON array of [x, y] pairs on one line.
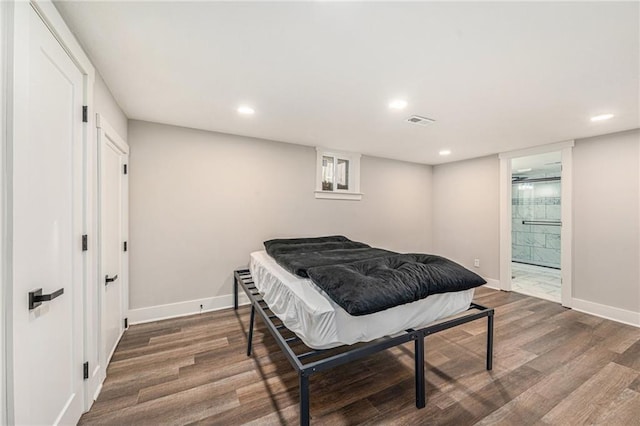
[[113, 207], [47, 351]]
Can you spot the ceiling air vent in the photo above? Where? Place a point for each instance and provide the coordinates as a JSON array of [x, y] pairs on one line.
[[419, 120]]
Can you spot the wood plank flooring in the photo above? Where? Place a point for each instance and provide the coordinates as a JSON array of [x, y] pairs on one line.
[[552, 366]]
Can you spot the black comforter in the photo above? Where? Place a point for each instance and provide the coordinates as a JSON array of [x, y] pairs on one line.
[[362, 279], [297, 255]]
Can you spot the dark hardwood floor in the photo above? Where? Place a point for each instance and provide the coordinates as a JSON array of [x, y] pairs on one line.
[[552, 366]]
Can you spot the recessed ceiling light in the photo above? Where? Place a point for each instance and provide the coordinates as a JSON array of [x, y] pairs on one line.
[[445, 152], [398, 104], [524, 170], [601, 117], [245, 110]]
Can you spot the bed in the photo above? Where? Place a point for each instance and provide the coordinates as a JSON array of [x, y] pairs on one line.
[[316, 332]]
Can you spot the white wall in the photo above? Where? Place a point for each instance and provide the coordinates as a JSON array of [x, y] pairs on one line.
[[200, 202], [466, 222], [606, 224]]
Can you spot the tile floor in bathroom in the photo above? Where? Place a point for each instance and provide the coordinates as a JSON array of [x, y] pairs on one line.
[[536, 281]]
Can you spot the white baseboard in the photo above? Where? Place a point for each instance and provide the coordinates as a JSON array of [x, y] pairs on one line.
[[97, 393], [608, 312], [173, 310], [113, 350], [492, 284], [190, 307], [591, 308]]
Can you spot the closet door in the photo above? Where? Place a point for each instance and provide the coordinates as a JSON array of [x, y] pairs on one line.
[[113, 220], [47, 330]]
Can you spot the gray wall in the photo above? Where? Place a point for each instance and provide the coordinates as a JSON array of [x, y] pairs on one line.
[[3, 283], [106, 105], [606, 192], [200, 202], [466, 213], [606, 217]]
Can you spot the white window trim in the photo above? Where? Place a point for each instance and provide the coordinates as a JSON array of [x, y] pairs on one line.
[[354, 176]]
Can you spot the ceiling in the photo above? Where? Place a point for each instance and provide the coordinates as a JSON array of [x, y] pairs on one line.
[[495, 76]]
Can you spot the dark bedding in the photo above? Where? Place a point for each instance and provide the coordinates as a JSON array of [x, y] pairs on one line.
[[364, 280], [373, 285], [299, 254]]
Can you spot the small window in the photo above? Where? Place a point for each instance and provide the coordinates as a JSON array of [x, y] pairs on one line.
[[327, 173], [338, 175], [342, 174]]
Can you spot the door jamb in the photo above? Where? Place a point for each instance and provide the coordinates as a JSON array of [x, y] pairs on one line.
[[6, 64], [566, 149]]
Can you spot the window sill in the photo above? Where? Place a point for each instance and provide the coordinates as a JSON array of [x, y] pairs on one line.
[[334, 195]]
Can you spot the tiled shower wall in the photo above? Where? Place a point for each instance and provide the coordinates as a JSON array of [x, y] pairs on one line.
[[536, 244]]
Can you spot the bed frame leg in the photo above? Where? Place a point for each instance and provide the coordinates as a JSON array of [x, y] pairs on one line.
[[490, 341], [235, 292], [421, 400], [251, 321], [304, 398]]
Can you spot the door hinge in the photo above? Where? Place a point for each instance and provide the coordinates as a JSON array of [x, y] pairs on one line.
[[126, 323], [125, 169], [125, 246], [85, 114], [85, 242], [85, 369]]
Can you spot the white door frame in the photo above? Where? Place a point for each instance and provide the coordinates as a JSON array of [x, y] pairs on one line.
[[10, 22], [566, 239], [5, 34], [107, 132]]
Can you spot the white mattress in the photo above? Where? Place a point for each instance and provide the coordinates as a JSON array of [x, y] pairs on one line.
[[321, 323]]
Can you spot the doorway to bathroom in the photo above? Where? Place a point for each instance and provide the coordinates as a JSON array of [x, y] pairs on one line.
[[535, 222], [536, 225]]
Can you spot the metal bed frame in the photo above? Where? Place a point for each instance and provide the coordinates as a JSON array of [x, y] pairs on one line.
[[314, 361]]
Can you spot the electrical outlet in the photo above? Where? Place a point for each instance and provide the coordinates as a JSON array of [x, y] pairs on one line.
[[476, 263]]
